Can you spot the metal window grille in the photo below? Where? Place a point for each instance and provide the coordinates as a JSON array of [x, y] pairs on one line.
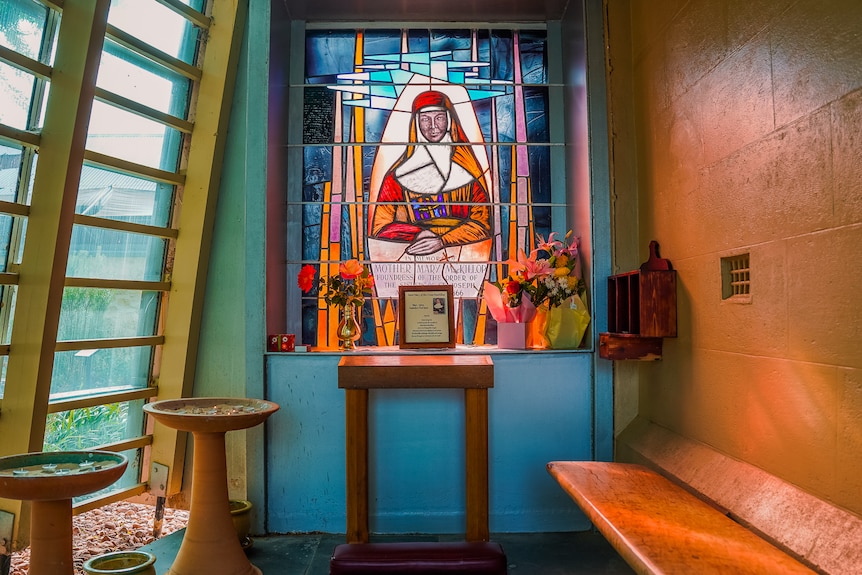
[[736, 277]]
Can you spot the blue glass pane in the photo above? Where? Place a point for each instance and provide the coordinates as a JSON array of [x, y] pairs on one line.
[[133, 138], [6, 223], [78, 374], [540, 173], [375, 121], [502, 67], [318, 172], [368, 154], [483, 41], [382, 42], [89, 427], [98, 313], [10, 168], [505, 106], [108, 254], [484, 114], [451, 40], [127, 74], [23, 25], [9, 297], [418, 41], [329, 52], [112, 195], [16, 90], [4, 362], [534, 57], [536, 106], [157, 25]]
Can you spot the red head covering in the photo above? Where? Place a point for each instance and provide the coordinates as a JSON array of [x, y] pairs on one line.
[[431, 98], [437, 100]]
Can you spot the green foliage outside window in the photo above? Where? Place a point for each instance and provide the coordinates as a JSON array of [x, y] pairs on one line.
[[84, 428]]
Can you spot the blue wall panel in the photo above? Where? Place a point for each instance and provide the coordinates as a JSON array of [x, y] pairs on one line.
[[539, 410]]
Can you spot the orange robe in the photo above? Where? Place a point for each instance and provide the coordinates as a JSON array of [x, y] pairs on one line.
[[460, 216]]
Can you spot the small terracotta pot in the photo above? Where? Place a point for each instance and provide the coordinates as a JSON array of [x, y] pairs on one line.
[[122, 563], [240, 514]]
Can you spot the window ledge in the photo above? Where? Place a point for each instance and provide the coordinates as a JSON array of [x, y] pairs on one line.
[[458, 350]]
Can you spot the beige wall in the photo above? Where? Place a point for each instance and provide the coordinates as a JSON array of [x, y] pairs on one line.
[[744, 119]]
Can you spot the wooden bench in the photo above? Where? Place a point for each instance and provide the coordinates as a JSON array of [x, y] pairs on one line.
[[659, 527]]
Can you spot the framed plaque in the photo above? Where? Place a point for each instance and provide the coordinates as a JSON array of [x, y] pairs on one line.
[[426, 317]]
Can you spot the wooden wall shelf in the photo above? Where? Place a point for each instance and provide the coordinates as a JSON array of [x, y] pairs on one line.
[[641, 310]]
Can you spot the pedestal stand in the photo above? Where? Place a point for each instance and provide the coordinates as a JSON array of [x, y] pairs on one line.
[[210, 545], [50, 481]]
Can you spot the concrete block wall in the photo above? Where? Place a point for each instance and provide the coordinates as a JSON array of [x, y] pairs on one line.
[[744, 121]]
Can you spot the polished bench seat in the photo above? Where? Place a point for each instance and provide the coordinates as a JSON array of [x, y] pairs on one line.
[[425, 557], [659, 528]]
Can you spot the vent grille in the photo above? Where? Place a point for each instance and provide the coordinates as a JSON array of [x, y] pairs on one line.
[[736, 277]]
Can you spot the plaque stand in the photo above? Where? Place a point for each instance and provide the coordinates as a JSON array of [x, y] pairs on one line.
[[472, 373]]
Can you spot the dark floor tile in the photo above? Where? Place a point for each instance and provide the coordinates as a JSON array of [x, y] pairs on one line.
[[582, 553], [286, 555]]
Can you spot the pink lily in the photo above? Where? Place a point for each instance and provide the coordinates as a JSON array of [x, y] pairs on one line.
[[529, 265], [537, 268], [570, 249], [549, 246]]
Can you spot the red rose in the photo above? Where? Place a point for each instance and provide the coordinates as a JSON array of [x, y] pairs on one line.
[[305, 279]]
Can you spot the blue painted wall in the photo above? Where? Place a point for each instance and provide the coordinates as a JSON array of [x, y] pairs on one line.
[[540, 410]]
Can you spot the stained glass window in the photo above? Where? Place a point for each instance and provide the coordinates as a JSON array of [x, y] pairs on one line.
[[426, 154]]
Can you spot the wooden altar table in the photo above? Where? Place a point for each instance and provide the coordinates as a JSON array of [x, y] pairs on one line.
[[472, 373]]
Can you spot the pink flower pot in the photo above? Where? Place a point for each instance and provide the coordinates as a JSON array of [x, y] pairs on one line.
[[511, 335]]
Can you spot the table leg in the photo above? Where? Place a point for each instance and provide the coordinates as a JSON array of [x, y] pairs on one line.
[[356, 409], [476, 408]]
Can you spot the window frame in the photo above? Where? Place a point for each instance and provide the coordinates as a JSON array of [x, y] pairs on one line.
[[560, 205], [80, 40]]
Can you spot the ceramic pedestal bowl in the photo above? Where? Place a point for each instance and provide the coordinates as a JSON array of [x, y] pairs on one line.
[[50, 480], [211, 414], [210, 543]]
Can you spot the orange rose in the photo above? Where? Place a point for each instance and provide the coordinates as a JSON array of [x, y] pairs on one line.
[[305, 279], [350, 269]]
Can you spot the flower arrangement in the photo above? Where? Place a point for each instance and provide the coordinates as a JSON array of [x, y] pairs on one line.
[[534, 281], [549, 279], [349, 287], [563, 277]]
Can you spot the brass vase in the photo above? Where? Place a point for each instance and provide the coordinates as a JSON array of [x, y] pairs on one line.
[[348, 328]]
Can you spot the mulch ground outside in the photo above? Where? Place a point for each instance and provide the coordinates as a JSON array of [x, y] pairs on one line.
[[121, 526]]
